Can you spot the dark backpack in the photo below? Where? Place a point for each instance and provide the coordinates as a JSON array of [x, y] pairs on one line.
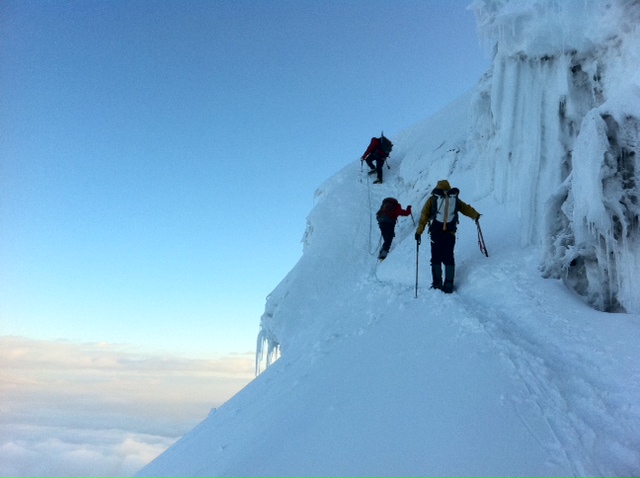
[[384, 214], [444, 210], [385, 145]]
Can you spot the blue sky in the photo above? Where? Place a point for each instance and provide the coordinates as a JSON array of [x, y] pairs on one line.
[[158, 158]]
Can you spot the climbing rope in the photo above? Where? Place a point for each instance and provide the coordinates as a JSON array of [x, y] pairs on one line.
[[375, 250]]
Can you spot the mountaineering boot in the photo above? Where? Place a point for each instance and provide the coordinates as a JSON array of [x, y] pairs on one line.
[[372, 171], [436, 273], [449, 272], [378, 181], [383, 254]]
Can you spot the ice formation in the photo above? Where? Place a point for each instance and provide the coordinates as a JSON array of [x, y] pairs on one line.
[[557, 119]]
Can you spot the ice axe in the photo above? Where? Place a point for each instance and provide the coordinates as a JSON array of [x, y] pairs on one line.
[[483, 247]]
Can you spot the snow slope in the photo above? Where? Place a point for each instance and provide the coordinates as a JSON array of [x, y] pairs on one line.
[[513, 374]]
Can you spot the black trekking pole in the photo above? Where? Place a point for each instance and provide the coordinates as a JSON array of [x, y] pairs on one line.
[[417, 255], [414, 221], [483, 247]]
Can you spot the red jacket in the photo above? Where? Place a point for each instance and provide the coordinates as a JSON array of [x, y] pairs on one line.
[[392, 216], [374, 147]]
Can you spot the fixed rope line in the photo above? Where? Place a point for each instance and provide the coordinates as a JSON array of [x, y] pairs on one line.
[[371, 220]]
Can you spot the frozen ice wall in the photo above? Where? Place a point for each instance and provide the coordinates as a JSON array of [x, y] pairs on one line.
[[556, 126]]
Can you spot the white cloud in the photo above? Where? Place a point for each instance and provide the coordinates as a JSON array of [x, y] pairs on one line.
[[59, 451], [69, 409]]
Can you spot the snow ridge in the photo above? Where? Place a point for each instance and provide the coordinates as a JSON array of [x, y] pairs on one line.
[[515, 373]]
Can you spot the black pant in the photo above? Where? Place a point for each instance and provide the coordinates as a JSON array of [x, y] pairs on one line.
[[388, 233], [442, 244], [379, 163]]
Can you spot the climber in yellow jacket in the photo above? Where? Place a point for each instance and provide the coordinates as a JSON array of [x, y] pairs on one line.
[[441, 213]]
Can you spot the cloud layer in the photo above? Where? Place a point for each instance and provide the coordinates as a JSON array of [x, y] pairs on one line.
[[96, 409]]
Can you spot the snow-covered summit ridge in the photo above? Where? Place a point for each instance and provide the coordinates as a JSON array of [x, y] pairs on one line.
[[537, 28], [512, 375], [551, 133]]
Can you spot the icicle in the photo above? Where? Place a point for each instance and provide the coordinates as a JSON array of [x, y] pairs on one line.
[[267, 351]]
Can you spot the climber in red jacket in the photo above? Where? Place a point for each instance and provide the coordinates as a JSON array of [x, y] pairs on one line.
[[378, 152]]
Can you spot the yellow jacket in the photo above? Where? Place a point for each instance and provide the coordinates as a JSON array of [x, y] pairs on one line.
[[425, 217]]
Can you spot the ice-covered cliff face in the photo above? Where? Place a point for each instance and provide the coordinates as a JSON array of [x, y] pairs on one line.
[[556, 123]]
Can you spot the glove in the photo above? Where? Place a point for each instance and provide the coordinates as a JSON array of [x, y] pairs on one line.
[[409, 208], [478, 218], [418, 238]]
